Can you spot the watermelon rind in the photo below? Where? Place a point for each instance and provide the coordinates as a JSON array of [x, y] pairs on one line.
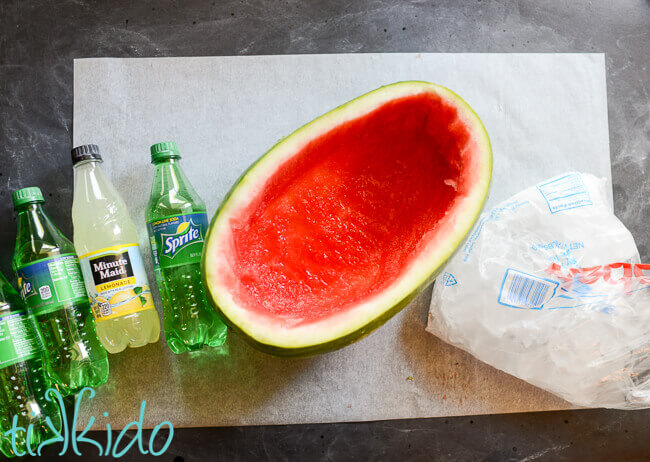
[[276, 337]]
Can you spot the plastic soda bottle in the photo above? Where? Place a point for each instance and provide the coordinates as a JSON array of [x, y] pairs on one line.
[[107, 244], [177, 223], [51, 284], [23, 381]]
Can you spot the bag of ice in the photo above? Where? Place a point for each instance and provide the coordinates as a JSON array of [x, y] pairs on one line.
[[549, 288]]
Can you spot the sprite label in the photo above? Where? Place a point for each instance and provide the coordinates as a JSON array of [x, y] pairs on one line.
[[17, 340], [178, 239], [46, 284]]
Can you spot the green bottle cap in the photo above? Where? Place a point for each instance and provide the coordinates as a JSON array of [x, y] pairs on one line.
[[27, 196], [164, 150]]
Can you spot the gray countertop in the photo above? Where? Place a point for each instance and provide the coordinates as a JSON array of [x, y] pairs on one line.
[[39, 40]]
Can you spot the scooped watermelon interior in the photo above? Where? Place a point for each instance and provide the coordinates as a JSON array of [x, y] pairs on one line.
[[338, 225]]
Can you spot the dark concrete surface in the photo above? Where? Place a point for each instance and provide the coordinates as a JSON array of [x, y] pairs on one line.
[[39, 39]]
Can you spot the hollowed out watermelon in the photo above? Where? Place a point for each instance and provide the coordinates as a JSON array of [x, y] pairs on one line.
[[339, 225]]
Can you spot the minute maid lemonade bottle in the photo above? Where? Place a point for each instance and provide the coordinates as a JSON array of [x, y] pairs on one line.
[[52, 286], [177, 224], [107, 243]]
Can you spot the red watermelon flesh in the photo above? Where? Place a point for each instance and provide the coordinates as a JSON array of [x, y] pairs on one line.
[[342, 218]]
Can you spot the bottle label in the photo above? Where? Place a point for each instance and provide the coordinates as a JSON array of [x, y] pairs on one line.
[[116, 281], [46, 284], [17, 340], [177, 240]]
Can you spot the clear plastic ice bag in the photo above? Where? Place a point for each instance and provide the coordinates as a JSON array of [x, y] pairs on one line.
[[549, 288]]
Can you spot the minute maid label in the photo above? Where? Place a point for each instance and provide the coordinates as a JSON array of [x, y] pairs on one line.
[[116, 281], [177, 240]]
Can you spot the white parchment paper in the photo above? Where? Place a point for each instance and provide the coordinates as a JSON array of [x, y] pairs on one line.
[[544, 113]]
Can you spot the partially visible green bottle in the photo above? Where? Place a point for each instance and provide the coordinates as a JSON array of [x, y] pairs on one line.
[[23, 381], [177, 223], [52, 286]]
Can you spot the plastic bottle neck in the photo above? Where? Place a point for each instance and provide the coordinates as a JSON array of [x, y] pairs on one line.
[[170, 174], [32, 217], [32, 223], [88, 164], [37, 237], [91, 183], [168, 163], [88, 167], [169, 160], [30, 208]]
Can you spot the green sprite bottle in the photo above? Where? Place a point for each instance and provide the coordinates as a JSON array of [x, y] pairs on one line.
[[23, 381], [52, 286], [177, 223]]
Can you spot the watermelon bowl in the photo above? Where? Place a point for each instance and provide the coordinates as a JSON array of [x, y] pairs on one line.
[[341, 224]]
